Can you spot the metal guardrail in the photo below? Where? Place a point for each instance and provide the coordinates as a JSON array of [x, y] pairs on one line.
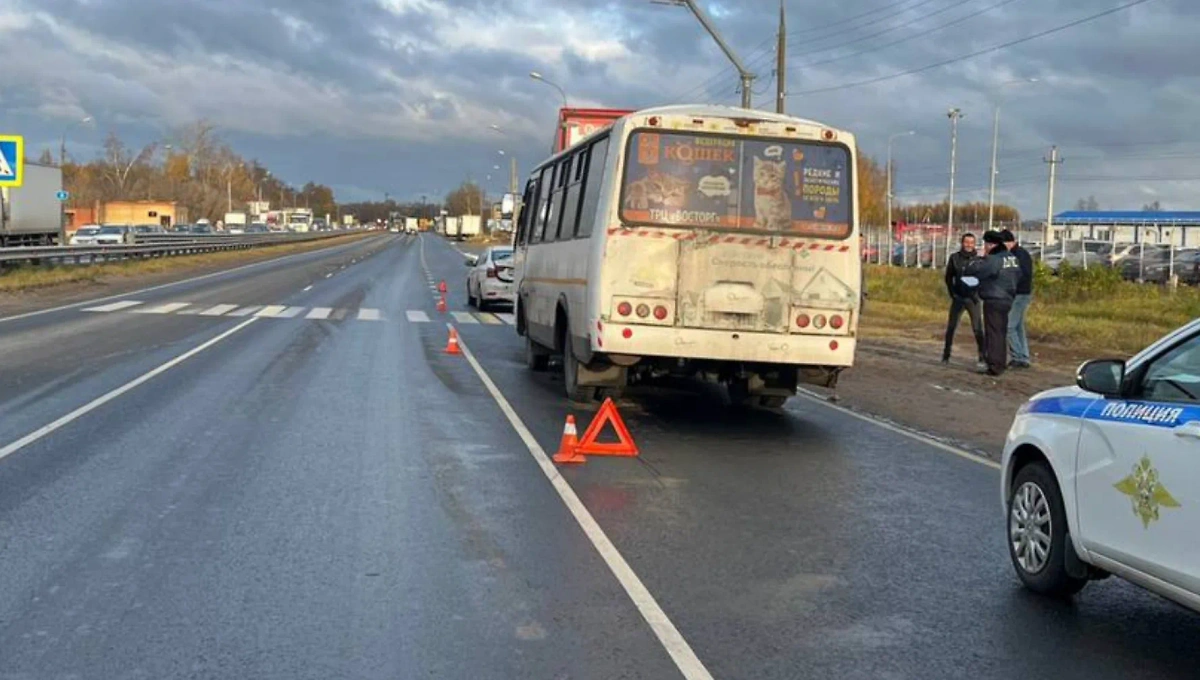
[[160, 245]]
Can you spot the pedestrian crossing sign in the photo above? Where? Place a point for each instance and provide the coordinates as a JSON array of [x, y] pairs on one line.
[[12, 160]]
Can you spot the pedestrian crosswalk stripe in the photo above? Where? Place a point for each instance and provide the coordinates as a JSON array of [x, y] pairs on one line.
[[191, 311], [271, 310], [491, 319], [506, 318], [114, 306], [290, 312], [368, 314], [463, 317], [218, 310], [167, 308], [245, 311], [319, 313], [417, 316], [338, 314]]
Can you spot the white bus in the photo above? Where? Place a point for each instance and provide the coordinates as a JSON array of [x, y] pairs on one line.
[[700, 241]]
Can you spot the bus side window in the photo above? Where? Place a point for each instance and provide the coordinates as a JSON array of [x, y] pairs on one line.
[[593, 181], [525, 211], [543, 205], [556, 200], [570, 212]]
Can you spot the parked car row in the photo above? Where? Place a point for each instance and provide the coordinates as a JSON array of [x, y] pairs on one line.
[[115, 234]]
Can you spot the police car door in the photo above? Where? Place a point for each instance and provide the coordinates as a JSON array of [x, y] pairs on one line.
[[1138, 469]]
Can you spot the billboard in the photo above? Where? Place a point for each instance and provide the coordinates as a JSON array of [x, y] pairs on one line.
[[576, 124]]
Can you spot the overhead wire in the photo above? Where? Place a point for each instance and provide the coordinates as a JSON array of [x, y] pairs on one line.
[[971, 55]]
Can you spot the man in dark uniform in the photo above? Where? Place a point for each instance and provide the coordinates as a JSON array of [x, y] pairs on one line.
[[998, 274], [963, 297]]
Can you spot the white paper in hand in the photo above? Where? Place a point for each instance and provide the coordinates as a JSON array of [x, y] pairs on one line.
[[970, 281]]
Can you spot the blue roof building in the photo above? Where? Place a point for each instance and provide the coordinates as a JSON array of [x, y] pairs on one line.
[[1129, 226]]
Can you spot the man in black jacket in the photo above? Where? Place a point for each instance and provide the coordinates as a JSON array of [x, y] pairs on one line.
[[1018, 341], [998, 275], [963, 297]]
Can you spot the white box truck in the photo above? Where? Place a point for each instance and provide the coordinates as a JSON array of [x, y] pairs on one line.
[[31, 214], [469, 225]]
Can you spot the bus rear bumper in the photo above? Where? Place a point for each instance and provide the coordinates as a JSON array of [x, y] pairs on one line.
[[725, 345]]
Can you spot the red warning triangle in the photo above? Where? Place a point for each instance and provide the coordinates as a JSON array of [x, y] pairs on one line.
[[624, 445]]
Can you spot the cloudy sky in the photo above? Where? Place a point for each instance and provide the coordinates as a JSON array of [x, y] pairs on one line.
[[371, 96]]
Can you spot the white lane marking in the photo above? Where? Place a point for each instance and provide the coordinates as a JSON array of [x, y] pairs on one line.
[[961, 453], [114, 306], [319, 313], [308, 287], [290, 312], [218, 310], [191, 311], [368, 314], [162, 309], [507, 318], [668, 635], [271, 310], [103, 399], [463, 317], [160, 286], [485, 317], [417, 316], [329, 275], [245, 311]]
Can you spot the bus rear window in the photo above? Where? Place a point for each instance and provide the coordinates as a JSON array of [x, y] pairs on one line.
[[679, 179]]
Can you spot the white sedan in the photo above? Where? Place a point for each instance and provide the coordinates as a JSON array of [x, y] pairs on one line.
[[490, 280], [1104, 477]]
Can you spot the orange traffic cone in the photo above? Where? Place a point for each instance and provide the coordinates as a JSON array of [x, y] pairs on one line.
[[441, 304], [569, 445], [452, 342], [442, 286]]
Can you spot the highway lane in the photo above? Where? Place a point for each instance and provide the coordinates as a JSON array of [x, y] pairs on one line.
[[51, 363], [338, 498], [808, 543], [305, 500]]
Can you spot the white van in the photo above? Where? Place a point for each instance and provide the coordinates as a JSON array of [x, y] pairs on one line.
[[701, 241]]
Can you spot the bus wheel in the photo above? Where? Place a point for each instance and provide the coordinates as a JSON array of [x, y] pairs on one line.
[[536, 356], [738, 390], [575, 391], [772, 401]]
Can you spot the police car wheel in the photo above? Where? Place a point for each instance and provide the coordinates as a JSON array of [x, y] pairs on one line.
[[1037, 533]]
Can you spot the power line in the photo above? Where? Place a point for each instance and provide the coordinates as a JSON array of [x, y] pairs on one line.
[[994, 48], [889, 29], [914, 36]]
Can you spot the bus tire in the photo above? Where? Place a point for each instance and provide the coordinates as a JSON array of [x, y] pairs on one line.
[[575, 391], [772, 401], [537, 358]]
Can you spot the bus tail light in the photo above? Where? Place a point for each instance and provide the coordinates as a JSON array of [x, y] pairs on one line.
[[819, 321], [803, 321], [660, 312], [654, 311], [822, 321], [627, 333], [643, 310], [624, 309], [836, 322]]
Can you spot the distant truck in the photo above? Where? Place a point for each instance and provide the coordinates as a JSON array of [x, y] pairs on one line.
[[468, 226], [576, 124], [31, 214], [411, 225]]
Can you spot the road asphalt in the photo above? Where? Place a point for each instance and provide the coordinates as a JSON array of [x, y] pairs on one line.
[[278, 473]]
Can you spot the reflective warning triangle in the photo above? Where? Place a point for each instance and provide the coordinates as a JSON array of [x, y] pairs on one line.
[[624, 445]]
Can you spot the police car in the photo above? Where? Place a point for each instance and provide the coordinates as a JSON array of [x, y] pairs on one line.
[[1104, 477]]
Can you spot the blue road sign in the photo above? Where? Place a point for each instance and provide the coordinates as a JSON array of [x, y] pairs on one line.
[[12, 160], [61, 195]]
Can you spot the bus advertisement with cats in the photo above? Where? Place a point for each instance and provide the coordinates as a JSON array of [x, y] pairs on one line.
[[726, 182]]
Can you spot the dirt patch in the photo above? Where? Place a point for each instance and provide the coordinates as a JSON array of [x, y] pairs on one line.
[[904, 381]]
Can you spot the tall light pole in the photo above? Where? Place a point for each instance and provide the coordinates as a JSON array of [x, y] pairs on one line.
[[539, 77], [746, 77], [62, 162], [995, 144], [890, 196], [512, 183], [954, 115]]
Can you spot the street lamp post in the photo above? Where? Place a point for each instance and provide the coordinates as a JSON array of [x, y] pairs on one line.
[[539, 77], [954, 115], [891, 232], [62, 162], [995, 144]]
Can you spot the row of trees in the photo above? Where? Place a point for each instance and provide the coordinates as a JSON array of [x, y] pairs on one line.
[[872, 201], [192, 166]]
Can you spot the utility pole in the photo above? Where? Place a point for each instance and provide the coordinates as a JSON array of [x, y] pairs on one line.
[[1053, 161], [781, 63], [953, 114], [746, 77]]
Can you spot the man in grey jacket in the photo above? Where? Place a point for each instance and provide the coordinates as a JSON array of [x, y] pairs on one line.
[[998, 274]]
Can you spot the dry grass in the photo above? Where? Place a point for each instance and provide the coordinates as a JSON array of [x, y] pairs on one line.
[[27, 278], [1081, 313]]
